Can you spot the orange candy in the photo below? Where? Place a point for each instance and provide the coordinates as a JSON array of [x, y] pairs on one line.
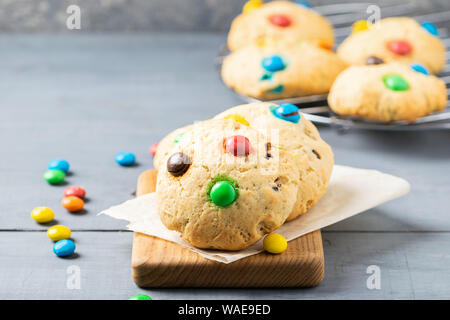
[[72, 204]]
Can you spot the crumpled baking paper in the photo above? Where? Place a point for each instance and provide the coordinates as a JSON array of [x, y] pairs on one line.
[[350, 191]]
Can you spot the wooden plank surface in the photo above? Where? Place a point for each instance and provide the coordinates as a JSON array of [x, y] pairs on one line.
[[157, 263], [413, 265], [86, 97]]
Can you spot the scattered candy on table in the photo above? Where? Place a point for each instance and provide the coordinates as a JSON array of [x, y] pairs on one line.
[[287, 112], [72, 203], [251, 5], [395, 82], [419, 68], [54, 176], [274, 243], [153, 148], [125, 158], [64, 248], [60, 164], [58, 232], [238, 146], [140, 297], [223, 193], [42, 214], [431, 28], [75, 191], [178, 163], [399, 47]]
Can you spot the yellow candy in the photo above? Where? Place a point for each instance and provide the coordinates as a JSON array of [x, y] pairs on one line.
[[42, 214], [360, 25], [238, 118], [58, 232], [251, 5], [275, 243]]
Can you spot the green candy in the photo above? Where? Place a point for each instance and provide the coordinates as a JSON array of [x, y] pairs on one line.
[[395, 82], [54, 176], [140, 297], [222, 193], [178, 137]]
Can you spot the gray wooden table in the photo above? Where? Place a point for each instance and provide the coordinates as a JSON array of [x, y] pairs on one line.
[[87, 97]]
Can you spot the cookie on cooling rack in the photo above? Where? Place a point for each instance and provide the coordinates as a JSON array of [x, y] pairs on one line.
[[166, 144], [387, 92], [221, 190], [279, 21], [297, 135], [281, 71], [395, 39]]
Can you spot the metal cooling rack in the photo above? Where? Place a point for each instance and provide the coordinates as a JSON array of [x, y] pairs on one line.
[[342, 17]]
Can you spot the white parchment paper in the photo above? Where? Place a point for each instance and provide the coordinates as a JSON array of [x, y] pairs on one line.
[[351, 191]]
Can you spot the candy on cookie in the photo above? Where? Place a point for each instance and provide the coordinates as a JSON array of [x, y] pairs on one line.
[[387, 92], [298, 136], [281, 71], [166, 144], [220, 190], [279, 21], [399, 39]]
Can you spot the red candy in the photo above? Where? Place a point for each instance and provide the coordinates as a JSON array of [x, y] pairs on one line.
[[280, 20], [75, 191], [401, 48], [153, 149], [238, 146]]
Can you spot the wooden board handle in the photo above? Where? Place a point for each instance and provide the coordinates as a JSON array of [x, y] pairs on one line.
[[146, 182]]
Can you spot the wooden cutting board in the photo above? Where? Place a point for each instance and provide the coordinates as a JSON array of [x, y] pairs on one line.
[[159, 263]]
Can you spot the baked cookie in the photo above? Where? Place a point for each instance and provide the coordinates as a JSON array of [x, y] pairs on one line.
[[281, 71], [280, 21], [395, 39], [225, 186], [387, 92], [166, 144], [297, 135]]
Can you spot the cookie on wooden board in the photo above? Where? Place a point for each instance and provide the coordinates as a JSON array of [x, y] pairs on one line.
[[225, 185]]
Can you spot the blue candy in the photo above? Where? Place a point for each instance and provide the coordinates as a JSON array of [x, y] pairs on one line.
[[125, 158], [273, 63], [419, 68], [64, 248], [304, 3], [287, 112], [431, 28], [60, 164]]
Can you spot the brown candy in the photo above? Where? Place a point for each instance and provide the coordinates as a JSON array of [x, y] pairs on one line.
[[178, 163], [372, 60]]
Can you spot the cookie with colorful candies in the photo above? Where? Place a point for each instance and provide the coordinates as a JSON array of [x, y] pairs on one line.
[[279, 21], [221, 190], [387, 92], [281, 71], [298, 136], [399, 39]]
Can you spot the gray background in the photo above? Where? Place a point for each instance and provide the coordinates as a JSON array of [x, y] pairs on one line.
[[142, 15], [86, 96]]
